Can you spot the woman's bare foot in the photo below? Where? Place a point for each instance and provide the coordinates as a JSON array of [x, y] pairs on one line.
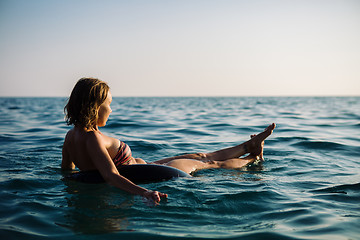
[[261, 155], [255, 145]]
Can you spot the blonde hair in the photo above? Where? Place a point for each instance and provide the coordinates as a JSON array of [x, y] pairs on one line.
[[84, 102]]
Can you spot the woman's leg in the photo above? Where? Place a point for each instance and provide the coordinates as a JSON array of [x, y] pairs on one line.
[[191, 165], [252, 146], [238, 162]]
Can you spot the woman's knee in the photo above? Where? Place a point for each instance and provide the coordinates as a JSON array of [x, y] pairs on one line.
[[201, 156]]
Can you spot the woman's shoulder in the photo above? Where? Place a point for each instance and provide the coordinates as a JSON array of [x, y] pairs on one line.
[[69, 137], [92, 138], [79, 135]]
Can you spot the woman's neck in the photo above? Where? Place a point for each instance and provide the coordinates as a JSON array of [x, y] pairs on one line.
[[91, 129]]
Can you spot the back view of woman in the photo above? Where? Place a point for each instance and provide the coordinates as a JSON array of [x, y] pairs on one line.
[[87, 148]]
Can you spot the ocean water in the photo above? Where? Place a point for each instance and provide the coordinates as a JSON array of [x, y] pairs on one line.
[[307, 188]]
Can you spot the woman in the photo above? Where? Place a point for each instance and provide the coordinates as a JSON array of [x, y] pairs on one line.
[[85, 147]]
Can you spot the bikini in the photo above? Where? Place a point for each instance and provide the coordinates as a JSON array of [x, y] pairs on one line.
[[123, 156]]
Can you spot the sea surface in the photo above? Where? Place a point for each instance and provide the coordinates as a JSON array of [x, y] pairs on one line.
[[308, 187]]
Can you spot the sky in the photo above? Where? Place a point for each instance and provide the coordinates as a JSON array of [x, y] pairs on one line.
[[181, 47]]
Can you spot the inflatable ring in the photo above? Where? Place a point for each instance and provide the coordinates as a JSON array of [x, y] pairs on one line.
[[137, 173]]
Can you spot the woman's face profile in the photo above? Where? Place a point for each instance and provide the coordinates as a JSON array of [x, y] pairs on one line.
[[104, 111]]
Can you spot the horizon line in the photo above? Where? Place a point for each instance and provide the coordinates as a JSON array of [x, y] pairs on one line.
[[190, 96]]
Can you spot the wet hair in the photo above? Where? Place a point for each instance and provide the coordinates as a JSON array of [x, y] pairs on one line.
[[83, 104]]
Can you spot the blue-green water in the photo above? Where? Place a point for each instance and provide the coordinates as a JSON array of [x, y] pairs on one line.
[[307, 188]]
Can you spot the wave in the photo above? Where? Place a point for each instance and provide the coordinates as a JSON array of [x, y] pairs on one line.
[[323, 145], [344, 189]]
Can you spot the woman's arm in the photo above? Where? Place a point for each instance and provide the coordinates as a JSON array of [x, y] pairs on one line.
[[103, 162], [66, 163]]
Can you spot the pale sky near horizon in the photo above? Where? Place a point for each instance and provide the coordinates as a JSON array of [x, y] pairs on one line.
[[181, 47]]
